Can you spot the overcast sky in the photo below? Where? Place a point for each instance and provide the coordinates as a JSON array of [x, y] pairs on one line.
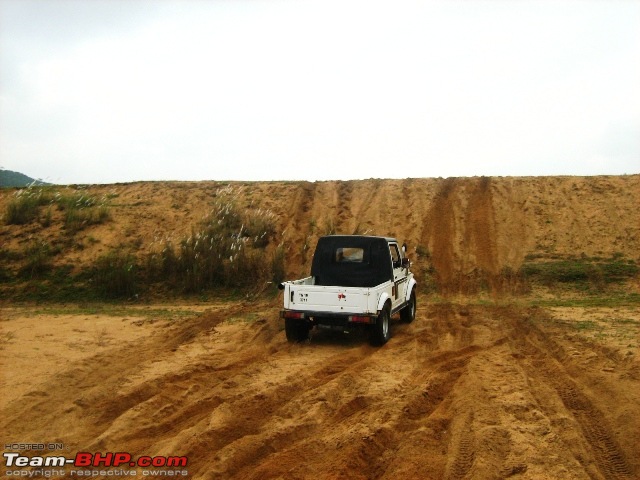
[[98, 91]]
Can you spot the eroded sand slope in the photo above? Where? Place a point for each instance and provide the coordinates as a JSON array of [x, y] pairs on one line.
[[465, 226]]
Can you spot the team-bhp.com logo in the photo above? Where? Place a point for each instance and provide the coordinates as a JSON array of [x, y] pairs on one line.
[[85, 460]]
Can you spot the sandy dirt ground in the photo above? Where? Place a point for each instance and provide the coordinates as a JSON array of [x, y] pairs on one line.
[[475, 391]]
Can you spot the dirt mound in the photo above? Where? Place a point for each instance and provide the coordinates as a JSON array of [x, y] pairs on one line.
[[469, 231]]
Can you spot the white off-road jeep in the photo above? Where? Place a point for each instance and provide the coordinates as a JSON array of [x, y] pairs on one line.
[[356, 281]]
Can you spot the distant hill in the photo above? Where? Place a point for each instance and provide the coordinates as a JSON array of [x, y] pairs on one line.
[[9, 178]]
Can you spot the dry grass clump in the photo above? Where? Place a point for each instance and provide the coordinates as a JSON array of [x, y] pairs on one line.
[[81, 211], [78, 207], [25, 206], [225, 250]]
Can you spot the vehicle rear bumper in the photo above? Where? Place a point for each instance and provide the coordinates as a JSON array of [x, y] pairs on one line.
[[329, 318]]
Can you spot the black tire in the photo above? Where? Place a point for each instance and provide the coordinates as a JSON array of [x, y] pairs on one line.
[[296, 330], [408, 313], [381, 331]]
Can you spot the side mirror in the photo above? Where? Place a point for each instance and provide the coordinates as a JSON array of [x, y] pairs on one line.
[[281, 286], [406, 263]]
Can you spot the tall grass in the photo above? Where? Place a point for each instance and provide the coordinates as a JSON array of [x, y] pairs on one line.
[[75, 219], [278, 265], [82, 210], [79, 208], [224, 250], [115, 274], [259, 226], [25, 206]]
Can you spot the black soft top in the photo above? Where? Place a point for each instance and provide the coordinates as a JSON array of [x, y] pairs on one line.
[[352, 261]]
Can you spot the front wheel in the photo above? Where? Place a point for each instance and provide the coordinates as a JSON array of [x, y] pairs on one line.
[[296, 330], [380, 332], [408, 313]]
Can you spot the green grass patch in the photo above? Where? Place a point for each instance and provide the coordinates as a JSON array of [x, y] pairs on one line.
[[116, 310], [585, 325], [581, 272], [614, 300], [626, 321]]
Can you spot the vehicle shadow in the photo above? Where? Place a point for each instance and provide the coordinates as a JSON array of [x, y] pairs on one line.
[[352, 338]]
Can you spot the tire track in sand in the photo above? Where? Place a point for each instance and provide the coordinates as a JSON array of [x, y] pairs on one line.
[[604, 456], [475, 237], [464, 452]]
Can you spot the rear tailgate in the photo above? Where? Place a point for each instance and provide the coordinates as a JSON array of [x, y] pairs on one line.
[[320, 298]]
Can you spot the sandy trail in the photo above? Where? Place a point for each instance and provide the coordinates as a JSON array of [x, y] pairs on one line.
[[464, 392]]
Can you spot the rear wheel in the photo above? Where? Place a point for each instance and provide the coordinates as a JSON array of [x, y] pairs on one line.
[[296, 330], [381, 332], [408, 313]]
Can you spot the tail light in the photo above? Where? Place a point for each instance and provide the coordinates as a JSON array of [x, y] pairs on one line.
[[361, 319]]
